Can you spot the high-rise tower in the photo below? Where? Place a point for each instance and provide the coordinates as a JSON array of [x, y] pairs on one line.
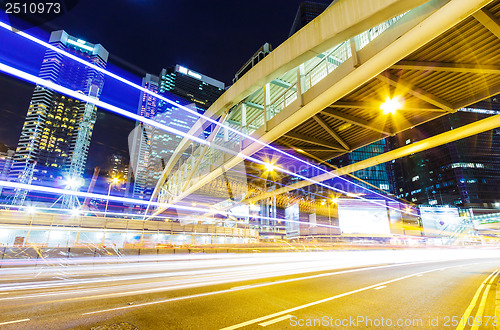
[[307, 11], [150, 147], [464, 173], [57, 131]]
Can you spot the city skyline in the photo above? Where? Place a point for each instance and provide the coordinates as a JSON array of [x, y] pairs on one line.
[[127, 61]]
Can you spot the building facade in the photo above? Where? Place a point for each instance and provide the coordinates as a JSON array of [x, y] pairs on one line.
[[57, 131], [150, 147], [464, 173], [375, 177], [307, 11]]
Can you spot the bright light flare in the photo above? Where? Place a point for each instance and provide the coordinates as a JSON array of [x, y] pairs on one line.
[[270, 167], [31, 210], [75, 212], [73, 183], [390, 106]]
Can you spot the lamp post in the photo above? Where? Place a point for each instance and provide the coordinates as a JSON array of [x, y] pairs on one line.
[[113, 181], [269, 167], [334, 201]]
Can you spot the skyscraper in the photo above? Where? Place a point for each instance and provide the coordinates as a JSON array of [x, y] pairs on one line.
[[150, 147], [140, 139], [464, 173], [308, 10], [56, 134]]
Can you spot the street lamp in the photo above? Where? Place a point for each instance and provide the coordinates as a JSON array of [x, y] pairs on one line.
[[115, 181], [334, 201], [390, 106], [270, 167]]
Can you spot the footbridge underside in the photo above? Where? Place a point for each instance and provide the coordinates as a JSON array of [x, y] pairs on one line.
[[319, 93]]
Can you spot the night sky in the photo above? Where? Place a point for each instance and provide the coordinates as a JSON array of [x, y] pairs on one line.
[[212, 37]]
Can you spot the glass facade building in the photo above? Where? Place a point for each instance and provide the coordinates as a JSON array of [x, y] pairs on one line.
[[464, 173], [57, 131], [308, 10], [150, 147], [375, 177]]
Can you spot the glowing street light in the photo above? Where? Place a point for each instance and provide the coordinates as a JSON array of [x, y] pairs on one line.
[[75, 212], [114, 181], [390, 106], [73, 183], [335, 200], [270, 167], [31, 210]]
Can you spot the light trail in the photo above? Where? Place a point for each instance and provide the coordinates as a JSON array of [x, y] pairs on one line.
[[147, 91], [48, 84], [34, 209], [166, 276], [59, 191]]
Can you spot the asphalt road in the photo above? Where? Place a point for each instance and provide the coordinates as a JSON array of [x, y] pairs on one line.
[[401, 289]]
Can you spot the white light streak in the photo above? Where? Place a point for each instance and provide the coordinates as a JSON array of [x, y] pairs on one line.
[[194, 112]]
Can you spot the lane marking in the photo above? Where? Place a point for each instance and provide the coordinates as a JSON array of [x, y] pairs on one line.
[[380, 287], [463, 320], [482, 304], [16, 321], [279, 319], [241, 288], [263, 318], [317, 302]]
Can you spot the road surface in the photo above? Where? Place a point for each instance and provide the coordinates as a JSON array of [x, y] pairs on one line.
[[410, 289]]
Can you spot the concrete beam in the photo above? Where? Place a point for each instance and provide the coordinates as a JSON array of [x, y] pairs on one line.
[[355, 120], [376, 107], [310, 139], [489, 21], [477, 127], [281, 83], [447, 67], [330, 131]]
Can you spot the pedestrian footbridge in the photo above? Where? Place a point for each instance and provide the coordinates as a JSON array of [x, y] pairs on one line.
[[320, 92]]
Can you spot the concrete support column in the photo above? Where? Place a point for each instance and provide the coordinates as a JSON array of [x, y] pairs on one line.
[[301, 85], [244, 118], [267, 104], [354, 53]]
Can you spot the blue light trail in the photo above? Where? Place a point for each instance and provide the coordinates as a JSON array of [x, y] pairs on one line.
[[58, 191], [42, 82], [125, 113]]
